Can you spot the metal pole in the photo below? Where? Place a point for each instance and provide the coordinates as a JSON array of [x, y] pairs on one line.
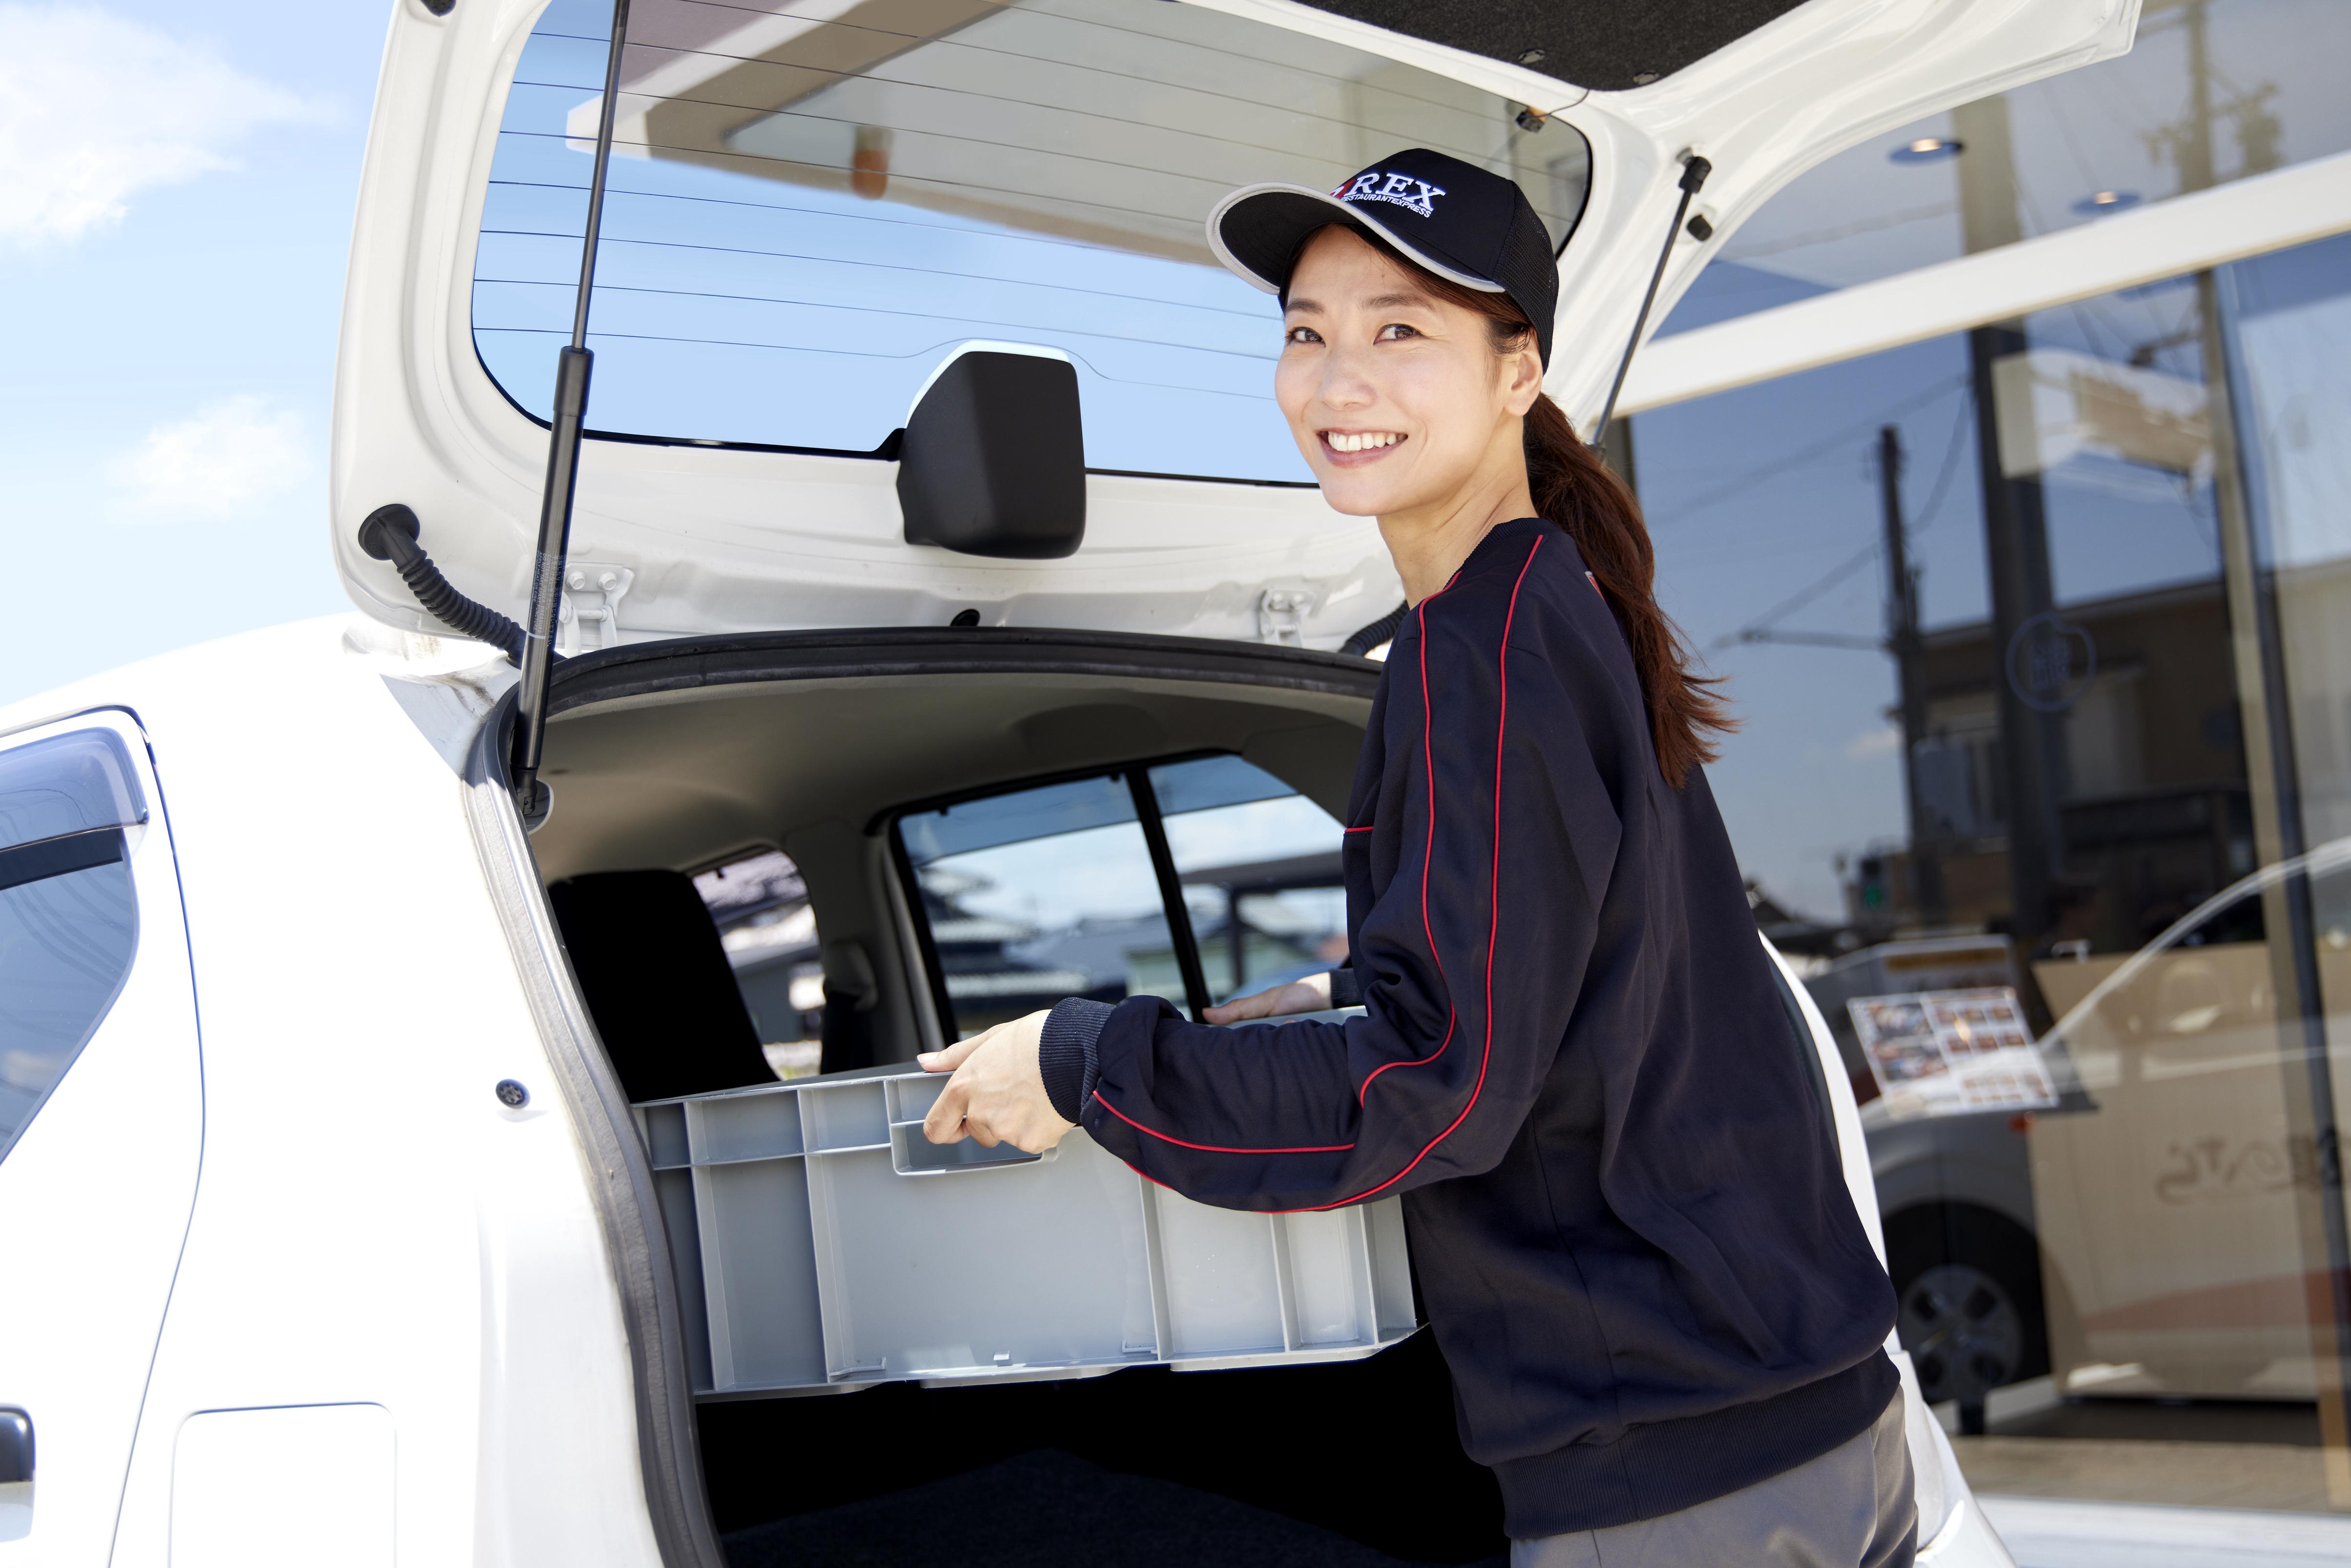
[[1902, 640], [2274, 777], [1171, 892], [2016, 548], [1694, 174], [1235, 940], [572, 365]]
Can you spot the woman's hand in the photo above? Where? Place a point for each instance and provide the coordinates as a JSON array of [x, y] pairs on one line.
[[997, 1094], [1310, 994]]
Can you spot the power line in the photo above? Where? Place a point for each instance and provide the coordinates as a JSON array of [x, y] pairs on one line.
[[1754, 630], [1759, 629], [1949, 469], [1732, 487]]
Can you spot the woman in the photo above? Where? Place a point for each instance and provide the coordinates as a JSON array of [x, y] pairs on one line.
[[1628, 1222]]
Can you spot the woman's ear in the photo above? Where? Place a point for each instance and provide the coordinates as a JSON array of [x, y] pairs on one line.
[[1522, 378]]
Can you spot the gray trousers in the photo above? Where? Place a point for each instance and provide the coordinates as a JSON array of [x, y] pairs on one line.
[[1851, 1508]]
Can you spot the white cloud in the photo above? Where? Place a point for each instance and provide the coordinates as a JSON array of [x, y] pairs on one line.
[[232, 455], [95, 108], [1886, 742]]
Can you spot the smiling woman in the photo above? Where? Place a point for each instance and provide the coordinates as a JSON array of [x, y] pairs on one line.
[[1569, 1056], [810, 212]]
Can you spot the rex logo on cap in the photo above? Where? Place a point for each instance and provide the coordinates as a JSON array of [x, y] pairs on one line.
[[1402, 189], [1483, 234]]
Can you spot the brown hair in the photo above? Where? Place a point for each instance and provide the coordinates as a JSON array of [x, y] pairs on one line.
[[1574, 489]]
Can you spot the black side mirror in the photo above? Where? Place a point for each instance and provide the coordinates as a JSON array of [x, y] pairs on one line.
[[993, 461], [15, 1447]]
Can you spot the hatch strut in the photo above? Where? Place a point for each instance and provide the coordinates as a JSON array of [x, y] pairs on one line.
[[571, 367], [1695, 169]]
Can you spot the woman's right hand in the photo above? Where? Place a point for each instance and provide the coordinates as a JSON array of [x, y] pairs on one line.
[[1309, 995]]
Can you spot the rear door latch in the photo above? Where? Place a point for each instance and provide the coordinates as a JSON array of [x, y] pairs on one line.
[[592, 606], [1281, 616]]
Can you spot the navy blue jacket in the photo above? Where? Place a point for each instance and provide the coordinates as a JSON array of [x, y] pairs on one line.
[[1630, 1228]]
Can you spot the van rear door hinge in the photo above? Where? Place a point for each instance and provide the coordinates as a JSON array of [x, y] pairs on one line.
[[592, 606], [1281, 616]]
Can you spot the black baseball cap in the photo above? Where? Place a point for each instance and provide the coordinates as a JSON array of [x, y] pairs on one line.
[[1460, 222]]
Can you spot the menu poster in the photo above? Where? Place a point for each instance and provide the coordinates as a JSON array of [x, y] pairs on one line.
[[1943, 1053]]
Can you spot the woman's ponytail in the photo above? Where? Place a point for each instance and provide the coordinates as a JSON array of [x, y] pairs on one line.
[[1574, 489]]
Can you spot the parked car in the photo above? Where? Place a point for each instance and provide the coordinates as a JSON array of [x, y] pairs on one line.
[[1955, 1190], [333, 1223], [2176, 1199], [2125, 1239]]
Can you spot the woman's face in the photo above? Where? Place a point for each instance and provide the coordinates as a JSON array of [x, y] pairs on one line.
[[1397, 399]]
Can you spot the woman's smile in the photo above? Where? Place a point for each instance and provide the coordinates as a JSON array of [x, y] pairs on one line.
[[1355, 448], [1407, 406]]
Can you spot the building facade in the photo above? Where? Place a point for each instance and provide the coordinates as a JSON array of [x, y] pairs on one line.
[[2003, 467]]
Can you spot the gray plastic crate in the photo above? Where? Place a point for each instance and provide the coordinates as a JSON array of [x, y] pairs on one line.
[[823, 1244]]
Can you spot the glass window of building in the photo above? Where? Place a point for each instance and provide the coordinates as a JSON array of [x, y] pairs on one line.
[[2039, 632], [2211, 91]]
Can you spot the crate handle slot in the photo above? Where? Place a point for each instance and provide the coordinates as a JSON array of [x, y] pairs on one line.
[[912, 1154]]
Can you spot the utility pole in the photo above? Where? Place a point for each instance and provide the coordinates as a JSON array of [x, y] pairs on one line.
[[1902, 641]]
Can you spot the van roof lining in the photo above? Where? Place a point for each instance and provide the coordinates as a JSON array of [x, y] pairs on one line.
[[1609, 45], [669, 778]]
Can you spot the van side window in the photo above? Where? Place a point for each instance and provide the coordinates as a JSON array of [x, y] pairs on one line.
[[1038, 894], [1261, 869], [761, 906], [68, 919], [1035, 894]]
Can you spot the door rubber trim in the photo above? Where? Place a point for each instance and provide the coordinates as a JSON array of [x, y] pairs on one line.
[[688, 663], [613, 1158]]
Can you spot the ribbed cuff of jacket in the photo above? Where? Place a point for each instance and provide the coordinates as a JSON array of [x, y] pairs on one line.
[[1346, 990], [1065, 1053]]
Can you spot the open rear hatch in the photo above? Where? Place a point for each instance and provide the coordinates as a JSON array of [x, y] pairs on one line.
[[815, 212], [813, 204]]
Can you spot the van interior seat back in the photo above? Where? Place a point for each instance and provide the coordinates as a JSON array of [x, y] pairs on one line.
[[656, 980]]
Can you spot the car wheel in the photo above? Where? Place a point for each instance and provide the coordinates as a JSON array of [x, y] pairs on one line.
[[1964, 1331]]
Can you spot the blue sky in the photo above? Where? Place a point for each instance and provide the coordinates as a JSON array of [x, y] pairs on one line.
[[175, 202]]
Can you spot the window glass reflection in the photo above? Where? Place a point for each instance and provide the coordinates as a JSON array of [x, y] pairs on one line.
[[2025, 622], [811, 206], [2211, 91]]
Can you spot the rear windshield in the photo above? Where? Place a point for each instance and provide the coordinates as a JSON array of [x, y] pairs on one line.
[[812, 203]]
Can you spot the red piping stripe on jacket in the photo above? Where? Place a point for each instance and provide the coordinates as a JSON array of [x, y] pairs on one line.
[[1494, 920], [1501, 725]]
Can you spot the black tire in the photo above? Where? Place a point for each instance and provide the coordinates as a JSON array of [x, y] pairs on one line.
[[1970, 1307]]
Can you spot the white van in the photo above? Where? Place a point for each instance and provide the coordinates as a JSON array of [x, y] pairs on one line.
[[344, 1200]]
